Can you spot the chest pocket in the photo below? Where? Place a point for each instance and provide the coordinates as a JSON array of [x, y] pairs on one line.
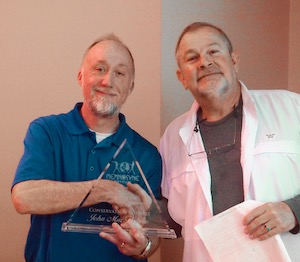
[[284, 147], [275, 172]]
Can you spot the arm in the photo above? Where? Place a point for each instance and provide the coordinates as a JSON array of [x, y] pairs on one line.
[[294, 204], [37, 190], [268, 220], [49, 197], [172, 224]]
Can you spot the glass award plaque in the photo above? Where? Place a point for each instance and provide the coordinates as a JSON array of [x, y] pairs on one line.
[[122, 168]]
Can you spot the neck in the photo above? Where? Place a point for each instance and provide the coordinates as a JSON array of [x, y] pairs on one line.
[[99, 124], [216, 108]]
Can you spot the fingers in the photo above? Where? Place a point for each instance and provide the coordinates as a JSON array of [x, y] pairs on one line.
[[113, 238], [254, 214], [136, 204], [255, 222], [136, 213], [126, 203], [128, 237], [268, 220], [121, 239], [131, 202], [145, 198], [130, 223]]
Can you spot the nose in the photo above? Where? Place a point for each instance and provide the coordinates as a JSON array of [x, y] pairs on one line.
[[106, 79], [205, 61]]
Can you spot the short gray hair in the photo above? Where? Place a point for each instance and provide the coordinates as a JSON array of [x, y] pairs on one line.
[[110, 37], [197, 25]]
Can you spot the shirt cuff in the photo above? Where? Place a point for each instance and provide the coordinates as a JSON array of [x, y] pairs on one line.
[[294, 204]]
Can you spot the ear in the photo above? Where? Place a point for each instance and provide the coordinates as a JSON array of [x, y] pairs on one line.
[[180, 77], [235, 57], [79, 77], [131, 87]]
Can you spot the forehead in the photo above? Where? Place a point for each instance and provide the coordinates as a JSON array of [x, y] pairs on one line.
[[110, 52], [201, 38]]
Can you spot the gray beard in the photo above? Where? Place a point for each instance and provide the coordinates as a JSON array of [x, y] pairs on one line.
[[217, 91], [103, 108]]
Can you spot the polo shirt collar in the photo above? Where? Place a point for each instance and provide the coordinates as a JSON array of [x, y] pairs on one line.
[[77, 126], [75, 122], [124, 131]]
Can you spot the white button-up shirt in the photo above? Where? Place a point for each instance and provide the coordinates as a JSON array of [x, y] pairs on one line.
[[270, 158]]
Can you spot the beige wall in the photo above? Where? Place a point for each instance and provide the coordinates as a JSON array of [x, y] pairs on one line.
[[42, 43], [294, 50]]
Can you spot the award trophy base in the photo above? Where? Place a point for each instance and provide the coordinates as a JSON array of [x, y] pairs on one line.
[[96, 229]]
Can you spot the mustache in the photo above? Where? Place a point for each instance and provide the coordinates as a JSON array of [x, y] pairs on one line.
[[207, 71], [105, 90]]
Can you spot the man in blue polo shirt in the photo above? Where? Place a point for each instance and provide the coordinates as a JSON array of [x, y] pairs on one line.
[[64, 155]]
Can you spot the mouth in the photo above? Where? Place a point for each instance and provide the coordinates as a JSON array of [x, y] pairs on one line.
[[207, 75], [104, 92]]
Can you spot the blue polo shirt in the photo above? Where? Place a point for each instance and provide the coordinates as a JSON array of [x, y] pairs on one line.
[[62, 148]]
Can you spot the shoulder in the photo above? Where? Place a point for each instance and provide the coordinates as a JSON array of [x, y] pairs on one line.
[[49, 122], [142, 142], [54, 125], [143, 149], [276, 99], [172, 130], [62, 120], [279, 94], [135, 138]]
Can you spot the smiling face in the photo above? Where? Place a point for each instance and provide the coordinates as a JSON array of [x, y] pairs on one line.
[[106, 78], [206, 66]]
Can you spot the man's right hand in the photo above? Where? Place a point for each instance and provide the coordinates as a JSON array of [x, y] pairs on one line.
[[132, 202]]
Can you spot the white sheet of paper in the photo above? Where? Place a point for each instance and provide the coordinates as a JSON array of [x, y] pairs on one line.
[[225, 240]]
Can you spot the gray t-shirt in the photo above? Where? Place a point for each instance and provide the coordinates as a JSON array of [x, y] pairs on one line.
[[222, 142]]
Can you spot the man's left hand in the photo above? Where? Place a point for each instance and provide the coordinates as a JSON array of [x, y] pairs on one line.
[[268, 220], [128, 237]]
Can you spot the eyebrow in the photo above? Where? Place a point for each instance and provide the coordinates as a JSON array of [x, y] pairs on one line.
[[123, 65], [210, 45], [105, 62]]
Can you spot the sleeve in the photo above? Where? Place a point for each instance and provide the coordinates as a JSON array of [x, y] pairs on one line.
[[294, 204], [37, 161], [164, 182]]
